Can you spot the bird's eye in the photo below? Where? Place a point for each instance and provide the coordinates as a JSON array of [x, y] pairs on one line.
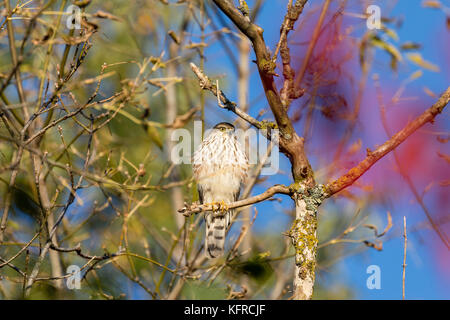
[[222, 129]]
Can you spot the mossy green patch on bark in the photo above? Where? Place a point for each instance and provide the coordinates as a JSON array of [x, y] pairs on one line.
[[267, 125], [297, 187], [313, 197], [304, 229], [244, 8], [304, 238], [268, 66]]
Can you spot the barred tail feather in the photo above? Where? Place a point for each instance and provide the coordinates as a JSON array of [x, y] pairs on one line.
[[216, 228]]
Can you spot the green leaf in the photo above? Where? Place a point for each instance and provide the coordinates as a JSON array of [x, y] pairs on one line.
[[386, 46], [154, 135], [391, 33]]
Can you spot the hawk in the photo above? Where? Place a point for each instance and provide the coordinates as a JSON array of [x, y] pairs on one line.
[[220, 165]]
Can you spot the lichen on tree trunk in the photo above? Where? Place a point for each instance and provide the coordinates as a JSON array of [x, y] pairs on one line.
[[304, 239]]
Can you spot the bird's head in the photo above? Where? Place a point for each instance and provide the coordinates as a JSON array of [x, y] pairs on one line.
[[224, 128]]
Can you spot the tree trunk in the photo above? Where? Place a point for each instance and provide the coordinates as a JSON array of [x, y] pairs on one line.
[[304, 238], [176, 193]]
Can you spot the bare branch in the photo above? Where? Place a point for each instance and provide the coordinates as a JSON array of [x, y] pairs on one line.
[[196, 208], [206, 84], [289, 91], [373, 156], [265, 65]]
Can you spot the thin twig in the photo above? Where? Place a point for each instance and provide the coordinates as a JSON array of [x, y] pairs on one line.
[[206, 84], [196, 208], [404, 257]]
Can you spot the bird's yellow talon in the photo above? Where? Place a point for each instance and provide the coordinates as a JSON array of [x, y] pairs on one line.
[[223, 207], [219, 207], [215, 206]]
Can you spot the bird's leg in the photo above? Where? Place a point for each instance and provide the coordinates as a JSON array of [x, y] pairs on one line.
[[219, 207], [223, 207]]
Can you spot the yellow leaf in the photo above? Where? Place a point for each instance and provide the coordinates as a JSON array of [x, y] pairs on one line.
[[429, 92], [367, 188], [263, 255], [391, 33], [431, 4], [355, 147], [444, 156], [145, 24], [392, 50], [416, 75], [444, 183], [428, 187], [418, 60]]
